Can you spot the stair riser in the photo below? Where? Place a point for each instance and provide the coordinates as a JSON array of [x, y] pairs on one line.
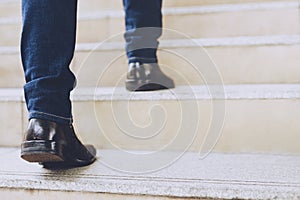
[[222, 24], [11, 118], [11, 71], [18, 194], [237, 65], [10, 34], [96, 5], [256, 64], [249, 126], [219, 24], [13, 9]]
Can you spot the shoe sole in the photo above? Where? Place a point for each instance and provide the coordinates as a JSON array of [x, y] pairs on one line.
[[41, 151], [136, 87]]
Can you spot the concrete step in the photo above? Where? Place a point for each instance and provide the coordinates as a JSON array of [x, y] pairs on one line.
[[244, 19], [237, 60], [97, 5], [12, 8], [211, 21], [236, 118], [217, 176]]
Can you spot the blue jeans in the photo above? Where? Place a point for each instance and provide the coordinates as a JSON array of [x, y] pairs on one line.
[[47, 48]]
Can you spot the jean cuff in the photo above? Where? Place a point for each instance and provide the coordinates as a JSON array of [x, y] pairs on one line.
[[142, 60], [50, 117]]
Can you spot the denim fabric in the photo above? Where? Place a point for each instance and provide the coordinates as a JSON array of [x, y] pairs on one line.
[[143, 20], [47, 48]]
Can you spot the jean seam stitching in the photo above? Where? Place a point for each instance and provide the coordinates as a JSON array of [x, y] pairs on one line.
[[52, 115], [142, 58]]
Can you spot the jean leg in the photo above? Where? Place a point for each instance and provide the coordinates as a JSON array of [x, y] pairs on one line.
[[47, 48], [143, 28]]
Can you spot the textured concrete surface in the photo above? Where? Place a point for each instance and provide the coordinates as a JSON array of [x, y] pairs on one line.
[[198, 92], [8, 194], [258, 118], [95, 25], [219, 176], [260, 61]]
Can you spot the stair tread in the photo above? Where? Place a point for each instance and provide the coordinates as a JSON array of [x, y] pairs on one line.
[[202, 9], [199, 9], [200, 92], [197, 42], [266, 60], [242, 176], [184, 43]]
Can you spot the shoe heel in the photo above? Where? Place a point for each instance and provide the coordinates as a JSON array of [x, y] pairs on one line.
[[41, 151]]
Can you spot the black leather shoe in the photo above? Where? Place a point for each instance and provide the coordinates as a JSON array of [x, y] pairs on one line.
[[147, 77], [52, 144]]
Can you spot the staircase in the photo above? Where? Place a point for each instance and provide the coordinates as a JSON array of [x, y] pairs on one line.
[[229, 130]]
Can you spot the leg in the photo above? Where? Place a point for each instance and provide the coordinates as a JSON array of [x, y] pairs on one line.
[[47, 48], [143, 28]]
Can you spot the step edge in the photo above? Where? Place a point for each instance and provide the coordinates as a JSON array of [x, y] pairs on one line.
[[200, 42], [201, 189], [184, 43], [200, 92], [205, 92], [236, 7], [157, 184]]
